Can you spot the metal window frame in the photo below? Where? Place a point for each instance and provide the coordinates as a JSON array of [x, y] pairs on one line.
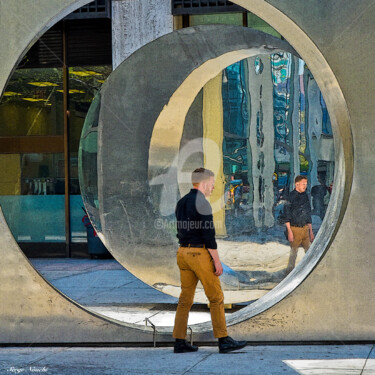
[[92, 10], [191, 7]]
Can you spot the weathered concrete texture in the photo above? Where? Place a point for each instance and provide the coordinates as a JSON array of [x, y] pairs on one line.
[[33, 311], [21, 25], [136, 23]]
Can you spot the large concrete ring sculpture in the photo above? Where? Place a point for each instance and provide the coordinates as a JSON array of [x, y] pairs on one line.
[[132, 106], [335, 301]]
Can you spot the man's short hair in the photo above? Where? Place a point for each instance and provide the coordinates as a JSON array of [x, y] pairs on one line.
[[201, 174], [300, 178]]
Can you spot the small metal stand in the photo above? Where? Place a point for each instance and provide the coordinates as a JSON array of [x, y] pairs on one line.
[[147, 320], [191, 335]]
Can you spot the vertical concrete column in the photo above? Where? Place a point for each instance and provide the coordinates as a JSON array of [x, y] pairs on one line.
[[213, 134], [249, 153], [314, 128], [262, 141], [136, 23], [293, 120]]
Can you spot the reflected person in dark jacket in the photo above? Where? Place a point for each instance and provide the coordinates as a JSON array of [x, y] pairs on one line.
[[298, 220]]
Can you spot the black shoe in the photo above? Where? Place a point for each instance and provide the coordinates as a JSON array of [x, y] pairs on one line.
[[182, 346], [227, 344]]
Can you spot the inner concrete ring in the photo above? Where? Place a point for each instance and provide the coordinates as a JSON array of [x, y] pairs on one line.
[[143, 257], [136, 118]]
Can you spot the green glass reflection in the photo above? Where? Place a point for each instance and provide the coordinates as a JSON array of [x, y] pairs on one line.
[[88, 171], [220, 18], [257, 23], [32, 196], [84, 83], [32, 103], [32, 174]]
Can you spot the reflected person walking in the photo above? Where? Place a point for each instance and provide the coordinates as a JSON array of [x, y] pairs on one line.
[[298, 220]]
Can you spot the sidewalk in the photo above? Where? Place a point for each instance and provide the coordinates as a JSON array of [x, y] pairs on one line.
[[105, 286], [252, 360]]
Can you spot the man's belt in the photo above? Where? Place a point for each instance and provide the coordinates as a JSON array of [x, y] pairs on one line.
[[191, 245], [298, 225]]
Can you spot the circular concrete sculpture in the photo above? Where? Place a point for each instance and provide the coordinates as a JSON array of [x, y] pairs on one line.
[[145, 99], [318, 309]]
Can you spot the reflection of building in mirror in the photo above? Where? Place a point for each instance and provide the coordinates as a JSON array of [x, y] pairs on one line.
[[267, 116], [276, 126]]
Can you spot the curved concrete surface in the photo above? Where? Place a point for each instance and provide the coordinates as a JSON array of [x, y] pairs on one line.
[[33, 311], [138, 111]]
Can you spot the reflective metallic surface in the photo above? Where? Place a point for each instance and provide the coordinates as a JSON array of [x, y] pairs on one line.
[[256, 145], [335, 299], [138, 232]]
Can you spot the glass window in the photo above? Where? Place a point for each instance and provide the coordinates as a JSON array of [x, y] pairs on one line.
[[222, 18], [33, 103], [32, 196], [257, 23], [84, 83]]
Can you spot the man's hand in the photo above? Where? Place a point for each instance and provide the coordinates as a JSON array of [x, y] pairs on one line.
[[218, 268], [311, 233], [289, 231], [290, 236], [217, 264]]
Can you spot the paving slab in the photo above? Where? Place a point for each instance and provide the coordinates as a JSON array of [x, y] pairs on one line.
[[370, 364], [13, 359], [95, 278], [45, 264], [119, 296], [57, 275], [328, 366]]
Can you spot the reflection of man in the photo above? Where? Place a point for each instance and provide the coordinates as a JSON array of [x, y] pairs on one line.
[[298, 220], [198, 259]]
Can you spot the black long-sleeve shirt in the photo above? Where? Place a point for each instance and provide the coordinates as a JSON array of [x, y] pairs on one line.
[[298, 209], [195, 224]]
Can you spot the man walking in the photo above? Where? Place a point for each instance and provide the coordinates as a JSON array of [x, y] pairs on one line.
[[198, 259], [298, 220]]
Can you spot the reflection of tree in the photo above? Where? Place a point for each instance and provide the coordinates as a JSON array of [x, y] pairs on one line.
[[39, 83], [24, 82]]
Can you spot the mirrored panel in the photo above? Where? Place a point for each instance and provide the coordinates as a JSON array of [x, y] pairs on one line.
[[258, 125], [256, 119]]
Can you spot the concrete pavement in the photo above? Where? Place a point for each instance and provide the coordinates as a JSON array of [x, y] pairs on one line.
[[104, 286], [252, 360]]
